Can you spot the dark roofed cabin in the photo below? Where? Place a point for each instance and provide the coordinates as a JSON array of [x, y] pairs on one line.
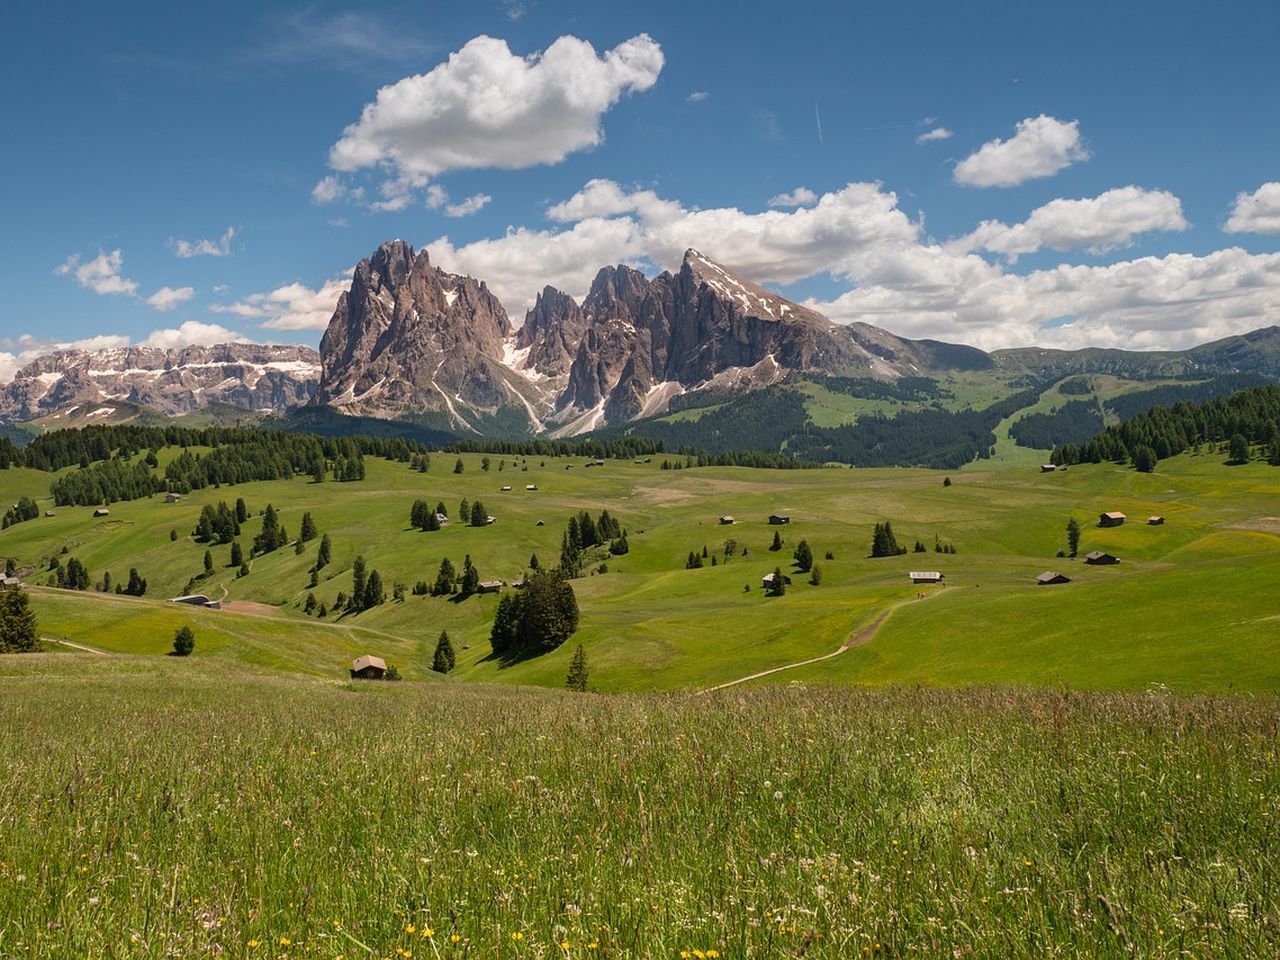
[[1050, 576], [778, 519], [1112, 518], [726, 521], [368, 668], [490, 586], [1155, 521], [1098, 557]]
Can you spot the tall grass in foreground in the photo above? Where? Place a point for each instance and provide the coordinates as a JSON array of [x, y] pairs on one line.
[[165, 812]]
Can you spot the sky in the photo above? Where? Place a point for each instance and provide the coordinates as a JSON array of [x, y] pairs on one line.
[[999, 174]]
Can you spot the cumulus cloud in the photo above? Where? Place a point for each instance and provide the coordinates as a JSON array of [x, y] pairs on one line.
[[473, 204], [204, 248], [294, 306], [896, 278], [1109, 220], [937, 133], [101, 274], [193, 333], [487, 107], [166, 298], [1257, 212], [799, 197], [1041, 147]]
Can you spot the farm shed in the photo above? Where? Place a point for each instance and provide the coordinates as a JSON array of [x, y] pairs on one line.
[[1050, 576], [368, 668], [778, 519], [172, 497], [926, 576], [490, 586], [102, 512], [727, 521], [531, 486], [1048, 467], [442, 519], [1098, 557], [10, 582], [767, 581], [1155, 521], [1112, 518], [50, 513]]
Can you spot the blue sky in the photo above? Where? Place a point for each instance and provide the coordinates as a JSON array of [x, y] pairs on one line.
[[217, 131]]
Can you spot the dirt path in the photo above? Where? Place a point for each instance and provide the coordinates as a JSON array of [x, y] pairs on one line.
[[75, 646], [855, 639]]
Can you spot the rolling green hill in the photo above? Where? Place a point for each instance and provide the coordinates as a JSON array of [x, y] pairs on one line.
[[1188, 606]]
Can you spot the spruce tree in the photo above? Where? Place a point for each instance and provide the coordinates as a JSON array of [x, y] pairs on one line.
[[1073, 536], [308, 531], [374, 594], [208, 561], [237, 553], [533, 561], [184, 641], [359, 581], [777, 541], [506, 624], [323, 555], [479, 516], [577, 678], [444, 579], [242, 510], [457, 467], [19, 632], [803, 556], [444, 658], [1238, 449], [470, 577]]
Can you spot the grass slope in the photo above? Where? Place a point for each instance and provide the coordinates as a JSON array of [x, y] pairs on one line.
[[181, 808], [1190, 606]]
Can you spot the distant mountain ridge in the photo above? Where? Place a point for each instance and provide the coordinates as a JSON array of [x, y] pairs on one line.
[[252, 377]]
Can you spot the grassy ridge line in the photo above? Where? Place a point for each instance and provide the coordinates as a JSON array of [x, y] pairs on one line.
[[187, 809]]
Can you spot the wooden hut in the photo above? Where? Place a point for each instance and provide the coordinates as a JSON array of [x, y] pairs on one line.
[[926, 576], [1051, 576], [1112, 518], [1100, 558], [368, 668]]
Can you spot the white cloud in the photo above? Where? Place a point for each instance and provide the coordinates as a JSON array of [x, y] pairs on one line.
[[1257, 212], [799, 197], [293, 306], [204, 248], [193, 333], [487, 107], [166, 298], [473, 204], [346, 39], [513, 9], [937, 133], [101, 274], [436, 197], [859, 236], [1041, 147], [1100, 223], [697, 96]]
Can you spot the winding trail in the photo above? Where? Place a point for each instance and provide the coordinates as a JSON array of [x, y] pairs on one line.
[[855, 639], [75, 646]]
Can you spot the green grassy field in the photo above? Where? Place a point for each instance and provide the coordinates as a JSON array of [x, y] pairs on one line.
[[163, 808], [1191, 606]]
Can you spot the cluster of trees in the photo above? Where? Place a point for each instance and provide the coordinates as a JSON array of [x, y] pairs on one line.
[[1245, 418], [598, 448], [10, 454], [273, 535], [583, 534], [220, 524], [449, 581], [367, 590], [64, 448], [904, 389], [73, 576], [105, 482], [536, 619], [422, 517], [1074, 422], [25, 509], [19, 632], [884, 543]]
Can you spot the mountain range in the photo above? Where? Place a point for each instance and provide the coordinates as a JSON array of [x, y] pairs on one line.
[[411, 342]]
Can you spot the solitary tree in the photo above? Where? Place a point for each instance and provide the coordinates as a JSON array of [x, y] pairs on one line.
[[577, 678], [803, 556], [533, 562], [815, 575], [1238, 449], [777, 541], [444, 658], [18, 630], [308, 531], [359, 581], [457, 467], [242, 510], [208, 561], [1073, 536], [184, 641], [323, 554], [237, 553]]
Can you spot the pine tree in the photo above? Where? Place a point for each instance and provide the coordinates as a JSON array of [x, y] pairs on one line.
[[243, 571], [433, 521], [444, 658], [777, 541], [374, 594], [137, 586], [470, 577], [803, 556], [1238, 449], [779, 586], [1073, 536], [242, 510], [464, 511], [359, 581], [1144, 459], [173, 536], [184, 641], [815, 575], [577, 678], [208, 561], [323, 555], [19, 632], [310, 605], [457, 467], [479, 516], [533, 561], [308, 531], [444, 579], [237, 553], [506, 624]]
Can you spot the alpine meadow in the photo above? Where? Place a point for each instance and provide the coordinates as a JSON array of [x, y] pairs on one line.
[[658, 481]]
